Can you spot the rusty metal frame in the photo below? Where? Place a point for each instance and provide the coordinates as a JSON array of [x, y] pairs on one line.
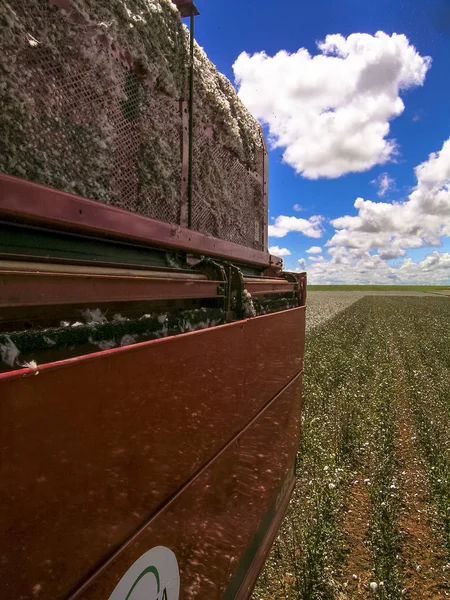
[[263, 286], [292, 278], [37, 288], [186, 8], [25, 201], [302, 279], [184, 163], [235, 291], [266, 192]]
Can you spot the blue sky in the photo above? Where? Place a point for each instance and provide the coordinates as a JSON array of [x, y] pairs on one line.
[[308, 179]]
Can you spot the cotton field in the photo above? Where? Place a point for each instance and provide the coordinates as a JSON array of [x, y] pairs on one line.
[[322, 306], [370, 517]]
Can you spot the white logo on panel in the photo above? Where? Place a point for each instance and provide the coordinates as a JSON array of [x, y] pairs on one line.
[[154, 576]]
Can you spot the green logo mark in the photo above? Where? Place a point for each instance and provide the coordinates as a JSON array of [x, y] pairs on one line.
[[145, 572]]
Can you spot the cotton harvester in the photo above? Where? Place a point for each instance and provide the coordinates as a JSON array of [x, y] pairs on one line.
[[151, 348]]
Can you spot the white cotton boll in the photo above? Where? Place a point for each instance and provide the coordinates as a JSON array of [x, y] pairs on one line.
[[103, 344], [373, 586], [323, 306], [117, 318], [94, 316], [9, 352], [128, 340], [30, 365]]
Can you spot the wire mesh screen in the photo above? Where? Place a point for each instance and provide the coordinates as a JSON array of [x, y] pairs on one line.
[[228, 197], [93, 94]]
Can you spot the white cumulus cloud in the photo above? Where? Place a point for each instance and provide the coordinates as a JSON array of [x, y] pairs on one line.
[[384, 184], [282, 225], [349, 266], [391, 228], [314, 250], [276, 251], [331, 111], [363, 244]]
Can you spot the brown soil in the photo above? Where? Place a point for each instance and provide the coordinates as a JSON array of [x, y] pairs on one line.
[[355, 575], [424, 560], [423, 557]]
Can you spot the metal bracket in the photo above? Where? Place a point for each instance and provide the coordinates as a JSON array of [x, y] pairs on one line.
[[300, 279], [302, 283], [273, 271], [239, 300], [215, 271], [292, 278], [186, 8], [212, 269], [235, 293]]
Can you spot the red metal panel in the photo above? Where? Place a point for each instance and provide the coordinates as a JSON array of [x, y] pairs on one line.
[[92, 446], [22, 288], [36, 203], [259, 559], [211, 522]]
